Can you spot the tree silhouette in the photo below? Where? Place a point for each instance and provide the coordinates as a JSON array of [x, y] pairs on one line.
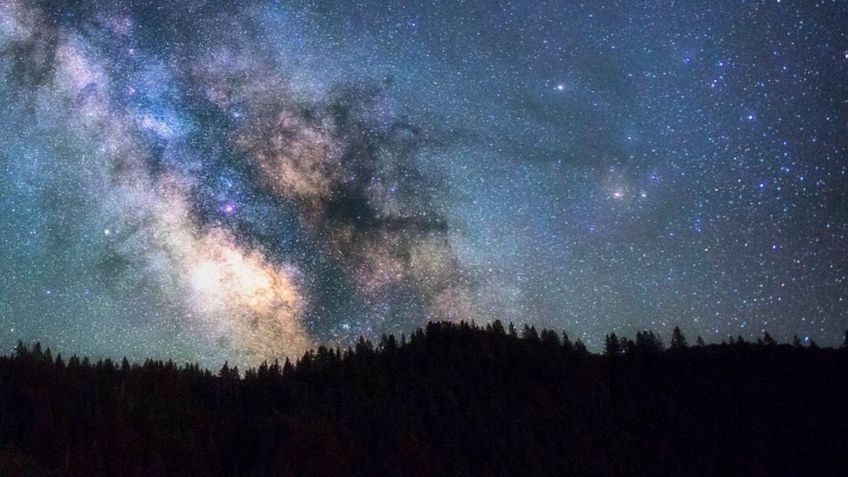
[[767, 339], [580, 348], [453, 399], [648, 343], [567, 345], [388, 343], [228, 373], [529, 333], [612, 347], [678, 341], [550, 337]]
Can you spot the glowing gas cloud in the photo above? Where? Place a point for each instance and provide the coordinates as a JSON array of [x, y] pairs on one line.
[[208, 180], [184, 209]]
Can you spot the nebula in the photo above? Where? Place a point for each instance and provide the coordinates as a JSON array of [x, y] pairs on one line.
[[349, 177], [241, 181]]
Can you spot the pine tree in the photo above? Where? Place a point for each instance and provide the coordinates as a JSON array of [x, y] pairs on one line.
[[580, 348], [678, 341], [566, 342], [21, 349], [529, 333], [648, 342], [388, 343], [550, 337], [627, 345], [228, 373], [767, 339], [612, 347]]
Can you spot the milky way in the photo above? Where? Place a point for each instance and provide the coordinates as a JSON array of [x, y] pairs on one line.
[[210, 181]]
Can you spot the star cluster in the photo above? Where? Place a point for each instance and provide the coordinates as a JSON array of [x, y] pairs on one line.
[[209, 180]]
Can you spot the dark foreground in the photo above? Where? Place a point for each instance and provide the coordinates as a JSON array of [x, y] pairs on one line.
[[454, 400]]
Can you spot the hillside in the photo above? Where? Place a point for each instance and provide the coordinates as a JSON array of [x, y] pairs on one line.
[[453, 399]]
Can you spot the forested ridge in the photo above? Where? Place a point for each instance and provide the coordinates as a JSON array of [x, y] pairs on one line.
[[451, 399]]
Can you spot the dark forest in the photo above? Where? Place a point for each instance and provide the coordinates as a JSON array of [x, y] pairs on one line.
[[451, 399]]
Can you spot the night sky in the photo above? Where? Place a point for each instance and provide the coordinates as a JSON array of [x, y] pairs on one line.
[[205, 181]]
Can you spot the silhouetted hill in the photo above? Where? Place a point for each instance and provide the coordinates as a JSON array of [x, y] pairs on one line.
[[454, 399]]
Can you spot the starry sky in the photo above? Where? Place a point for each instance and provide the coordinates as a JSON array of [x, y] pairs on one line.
[[212, 180]]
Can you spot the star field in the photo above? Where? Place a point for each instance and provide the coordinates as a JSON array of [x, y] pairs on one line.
[[211, 181]]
